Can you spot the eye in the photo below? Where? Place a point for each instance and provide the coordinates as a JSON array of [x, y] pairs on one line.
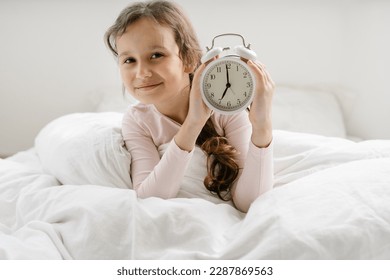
[[156, 55], [129, 60]]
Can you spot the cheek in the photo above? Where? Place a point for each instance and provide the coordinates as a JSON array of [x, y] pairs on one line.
[[126, 77], [176, 74], [127, 82]]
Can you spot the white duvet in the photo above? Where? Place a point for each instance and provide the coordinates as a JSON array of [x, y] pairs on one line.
[[69, 198]]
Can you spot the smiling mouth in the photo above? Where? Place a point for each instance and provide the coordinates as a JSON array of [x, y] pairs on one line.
[[148, 87]]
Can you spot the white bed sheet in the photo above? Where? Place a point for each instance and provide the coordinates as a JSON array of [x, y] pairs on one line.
[[330, 201]]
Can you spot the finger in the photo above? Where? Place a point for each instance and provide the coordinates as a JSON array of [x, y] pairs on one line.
[[266, 75], [263, 67], [257, 69], [270, 79], [199, 71], [211, 59]]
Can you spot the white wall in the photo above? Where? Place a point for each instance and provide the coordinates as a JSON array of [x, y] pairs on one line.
[[366, 68], [51, 57], [53, 60]]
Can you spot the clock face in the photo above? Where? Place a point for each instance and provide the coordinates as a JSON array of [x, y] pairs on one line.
[[227, 85]]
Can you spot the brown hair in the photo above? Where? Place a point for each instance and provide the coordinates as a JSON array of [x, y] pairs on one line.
[[222, 168], [164, 13], [221, 165]]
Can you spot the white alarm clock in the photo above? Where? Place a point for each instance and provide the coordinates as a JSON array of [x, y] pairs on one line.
[[227, 83]]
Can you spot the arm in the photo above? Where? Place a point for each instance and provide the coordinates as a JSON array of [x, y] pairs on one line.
[[256, 177], [256, 164], [260, 115], [257, 174], [151, 175]]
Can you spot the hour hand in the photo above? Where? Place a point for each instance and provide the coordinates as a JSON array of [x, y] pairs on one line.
[[224, 93]]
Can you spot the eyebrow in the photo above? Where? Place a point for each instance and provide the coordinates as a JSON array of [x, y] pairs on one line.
[[123, 54], [152, 48]]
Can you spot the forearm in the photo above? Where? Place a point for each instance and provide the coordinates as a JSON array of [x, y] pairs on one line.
[[261, 133], [187, 135], [256, 177], [262, 139], [164, 180]]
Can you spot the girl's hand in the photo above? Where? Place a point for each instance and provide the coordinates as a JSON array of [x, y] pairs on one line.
[[197, 116], [260, 114], [198, 112]]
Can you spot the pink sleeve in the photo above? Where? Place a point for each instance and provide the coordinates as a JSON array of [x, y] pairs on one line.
[[256, 177], [256, 164], [150, 175]]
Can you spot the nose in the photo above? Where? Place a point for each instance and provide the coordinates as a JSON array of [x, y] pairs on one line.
[[143, 71]]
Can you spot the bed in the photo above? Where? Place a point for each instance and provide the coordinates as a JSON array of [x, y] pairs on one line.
[[70, 196]]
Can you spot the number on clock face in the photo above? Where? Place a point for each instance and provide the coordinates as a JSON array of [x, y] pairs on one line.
[[228, 85]]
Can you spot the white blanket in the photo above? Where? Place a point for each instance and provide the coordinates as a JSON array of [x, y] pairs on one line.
[[330, 201]]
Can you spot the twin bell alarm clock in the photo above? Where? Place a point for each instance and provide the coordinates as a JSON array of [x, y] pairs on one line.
[[227, 83]]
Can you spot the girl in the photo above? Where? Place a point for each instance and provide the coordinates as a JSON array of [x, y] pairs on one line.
[[159, 55]]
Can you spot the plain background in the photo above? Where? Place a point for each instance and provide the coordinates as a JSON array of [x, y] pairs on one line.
[[53, 60]]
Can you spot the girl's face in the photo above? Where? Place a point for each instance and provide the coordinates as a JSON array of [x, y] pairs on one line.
[[149, 63]]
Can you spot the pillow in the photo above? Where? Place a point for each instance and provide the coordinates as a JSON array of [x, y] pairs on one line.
[[309, 111], [110, 99], [85, 148]]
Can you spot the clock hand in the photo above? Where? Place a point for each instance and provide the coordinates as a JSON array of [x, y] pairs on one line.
[[223, 95], [228, 85], [227, 75]]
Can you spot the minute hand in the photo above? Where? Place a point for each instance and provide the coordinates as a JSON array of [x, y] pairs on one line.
[[227, 76], [228, 85]]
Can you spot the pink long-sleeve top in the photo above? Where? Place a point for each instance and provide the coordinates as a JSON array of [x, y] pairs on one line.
[[160, 168]]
